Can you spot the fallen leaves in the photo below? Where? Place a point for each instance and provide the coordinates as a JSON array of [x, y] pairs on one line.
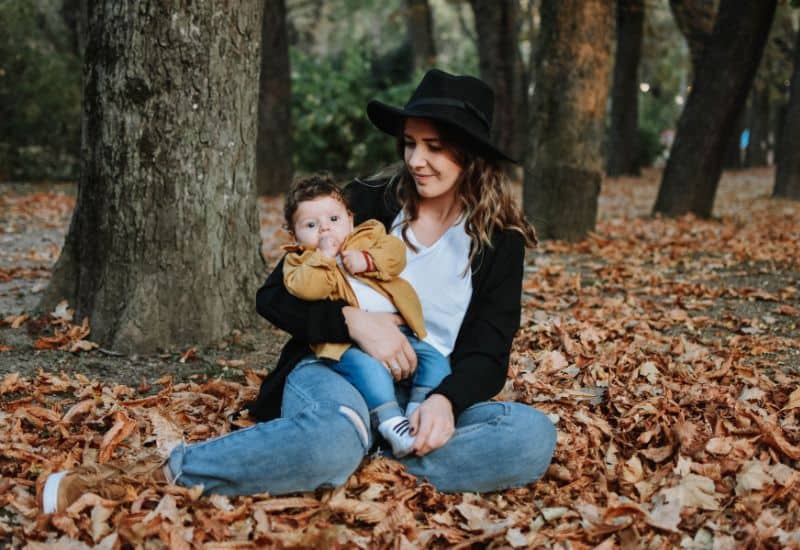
[[664, 350]]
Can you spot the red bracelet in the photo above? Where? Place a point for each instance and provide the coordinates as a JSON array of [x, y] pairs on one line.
[[368, 258]]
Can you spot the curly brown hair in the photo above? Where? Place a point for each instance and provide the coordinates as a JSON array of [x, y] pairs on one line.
[[309, 188]]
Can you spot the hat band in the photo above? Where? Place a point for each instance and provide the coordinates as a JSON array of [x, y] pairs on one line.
[[465, 105]]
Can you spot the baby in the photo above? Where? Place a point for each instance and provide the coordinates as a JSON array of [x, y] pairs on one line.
[[361, 265]]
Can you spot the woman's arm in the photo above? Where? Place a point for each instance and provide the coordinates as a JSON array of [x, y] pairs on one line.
[[335, 321], [311, 322], [480, 358]]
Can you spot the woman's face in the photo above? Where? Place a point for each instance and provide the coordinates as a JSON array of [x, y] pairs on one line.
[[433, 167]]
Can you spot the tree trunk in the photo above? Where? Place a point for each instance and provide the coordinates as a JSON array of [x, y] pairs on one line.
[[502, 67], [732, 158], [564, 165], [758, 122], [718, 95], [419, 27], [695, 20], [787, 172], [274, 169], [75, 16], [623, 147], [163, 244]]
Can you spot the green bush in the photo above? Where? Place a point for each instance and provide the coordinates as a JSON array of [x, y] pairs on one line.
[[40, 87], [331, 129]]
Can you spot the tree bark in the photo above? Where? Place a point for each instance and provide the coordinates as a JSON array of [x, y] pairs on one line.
[[162, 249], [419, 27], [623, 146], [564, 165], [787, 172], [274, 168], [502, 67], [695, 20], [717, 98]]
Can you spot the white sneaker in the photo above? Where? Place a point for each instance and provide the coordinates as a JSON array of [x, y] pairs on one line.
[[397, 431]]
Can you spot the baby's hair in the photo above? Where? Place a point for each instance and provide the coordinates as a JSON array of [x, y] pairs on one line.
[[309, 188]]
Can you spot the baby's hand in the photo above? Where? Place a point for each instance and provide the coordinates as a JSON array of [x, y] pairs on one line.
[[328, 246], [354, 261]]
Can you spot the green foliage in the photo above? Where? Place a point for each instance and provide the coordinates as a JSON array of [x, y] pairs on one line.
[[40, 87], [331, 129]]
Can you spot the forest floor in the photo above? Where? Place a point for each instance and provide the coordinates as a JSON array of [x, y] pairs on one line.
[[667, 352]]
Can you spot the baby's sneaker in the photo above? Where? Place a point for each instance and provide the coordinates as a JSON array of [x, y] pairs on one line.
[[397, 431]]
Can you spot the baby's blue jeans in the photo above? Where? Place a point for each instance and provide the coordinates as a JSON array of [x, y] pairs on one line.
[[375, 383]]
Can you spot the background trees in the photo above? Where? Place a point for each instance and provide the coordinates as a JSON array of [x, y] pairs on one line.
[[324, 59], [274, 146], [708, 123], [787, 174], [623, 139]]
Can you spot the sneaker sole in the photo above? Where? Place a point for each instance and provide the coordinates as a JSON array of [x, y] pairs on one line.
[[50, 492]]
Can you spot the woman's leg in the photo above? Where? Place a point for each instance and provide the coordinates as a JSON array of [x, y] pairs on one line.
[[496, 445], [372, 379], [320, 439]]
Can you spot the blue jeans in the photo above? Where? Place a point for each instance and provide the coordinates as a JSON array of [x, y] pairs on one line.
[[371, 378], [322, 436]]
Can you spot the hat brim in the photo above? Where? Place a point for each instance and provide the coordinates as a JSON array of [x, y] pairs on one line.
[[390, 120]]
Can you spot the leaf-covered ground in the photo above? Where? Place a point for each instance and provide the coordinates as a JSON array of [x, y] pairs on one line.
[[666, 352]]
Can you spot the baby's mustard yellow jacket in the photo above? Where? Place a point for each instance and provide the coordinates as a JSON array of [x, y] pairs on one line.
[[309, 275]]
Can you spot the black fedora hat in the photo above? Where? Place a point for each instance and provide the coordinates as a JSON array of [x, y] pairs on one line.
[[464, 102]]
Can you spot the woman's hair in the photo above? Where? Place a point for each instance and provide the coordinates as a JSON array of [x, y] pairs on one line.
[[483, 189], [309, 188]]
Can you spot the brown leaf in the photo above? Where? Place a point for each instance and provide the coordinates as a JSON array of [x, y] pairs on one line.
[[693, 490], [122, 428], [190, 353]]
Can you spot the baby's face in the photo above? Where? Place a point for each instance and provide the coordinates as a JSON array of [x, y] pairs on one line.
[[322, 218]]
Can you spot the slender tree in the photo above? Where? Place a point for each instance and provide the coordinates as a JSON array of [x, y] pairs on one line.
[[564, 164], [162, 249], [695, 20], [718, 95], [623, 131], [501, 65], [419, 25], [274, 167], [758, 124], [787, 172]]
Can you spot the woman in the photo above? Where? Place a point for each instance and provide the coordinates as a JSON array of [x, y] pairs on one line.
[[451, 204]]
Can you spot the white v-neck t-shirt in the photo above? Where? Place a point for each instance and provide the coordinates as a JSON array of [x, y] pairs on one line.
[[442, 278]]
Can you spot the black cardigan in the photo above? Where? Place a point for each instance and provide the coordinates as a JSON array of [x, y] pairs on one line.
[[479, 360]]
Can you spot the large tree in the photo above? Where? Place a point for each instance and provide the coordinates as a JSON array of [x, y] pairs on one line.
[[501, 65], [787, 172], [624, 124], [719, 92], [162, 249], [274, 167], [564, 164]]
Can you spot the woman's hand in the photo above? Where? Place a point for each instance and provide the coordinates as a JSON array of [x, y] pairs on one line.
[[432, 424], [378, 335]]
